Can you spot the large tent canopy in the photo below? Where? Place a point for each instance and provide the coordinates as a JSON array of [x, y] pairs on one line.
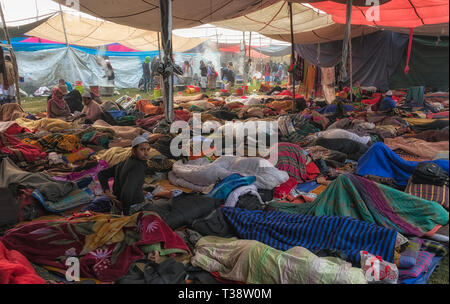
[[314, 21], [92, 33], [146, 14], [396, 13]]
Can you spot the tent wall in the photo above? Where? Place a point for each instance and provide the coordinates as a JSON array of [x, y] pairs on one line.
[[45, 67], [428, 65], [375, 56]]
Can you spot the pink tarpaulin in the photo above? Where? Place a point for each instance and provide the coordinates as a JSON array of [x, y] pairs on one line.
[[120, 48], [396, 13], [39, 40]]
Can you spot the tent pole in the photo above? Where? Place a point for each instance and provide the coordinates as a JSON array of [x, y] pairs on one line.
[[346, 44], [351, 67], [159, 46], [294, 108], [166, 40], [13, 57], [64, 25]]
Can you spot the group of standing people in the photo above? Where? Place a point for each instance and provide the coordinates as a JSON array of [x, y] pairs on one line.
[[208, 76], [275, 71], [150, 71]]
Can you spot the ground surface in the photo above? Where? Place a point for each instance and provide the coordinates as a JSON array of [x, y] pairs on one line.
[[39, 104]]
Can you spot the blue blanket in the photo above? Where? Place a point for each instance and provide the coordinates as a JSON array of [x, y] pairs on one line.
[[332, 109], [283, 231], [381, 161], [230, 183]]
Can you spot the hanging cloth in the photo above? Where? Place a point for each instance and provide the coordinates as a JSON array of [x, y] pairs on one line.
[[409, 51], [328, 80]]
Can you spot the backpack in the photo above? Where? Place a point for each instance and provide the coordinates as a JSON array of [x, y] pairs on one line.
[[167, 272], [430, 174]]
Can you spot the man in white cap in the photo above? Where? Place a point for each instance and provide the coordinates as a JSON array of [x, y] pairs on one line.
[[128, 176], [388, 103], [92, 110]]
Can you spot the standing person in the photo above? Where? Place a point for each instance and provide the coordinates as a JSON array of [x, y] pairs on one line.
[[230, 75], [212, 76], [203, 76], [247, 68], [279, 74], [8, 81], [155, 74], [129, 177], [147, 73], [187, 73], [57, 106], [109, 72], [267, 71]]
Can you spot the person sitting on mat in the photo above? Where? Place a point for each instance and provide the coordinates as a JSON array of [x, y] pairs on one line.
[[388, 103], [128, 177]]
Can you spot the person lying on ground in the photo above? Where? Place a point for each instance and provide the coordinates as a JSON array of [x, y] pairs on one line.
[[92, 110], [57, 106], [128, 177]]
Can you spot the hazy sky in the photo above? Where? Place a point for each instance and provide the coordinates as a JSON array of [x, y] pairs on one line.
[[25, 11]]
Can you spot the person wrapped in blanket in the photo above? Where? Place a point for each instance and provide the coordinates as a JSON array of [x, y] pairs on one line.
[[57, 106], [128, 177]]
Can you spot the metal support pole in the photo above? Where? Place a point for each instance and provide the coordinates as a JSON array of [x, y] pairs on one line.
[[166, 40], [13, 56], [159, 47], [346, 44], [351, 68], [294, 108], [64, 25]]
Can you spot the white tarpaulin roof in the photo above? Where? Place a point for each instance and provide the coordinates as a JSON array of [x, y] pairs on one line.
[[274, 20], [186, 13], [91, 33]]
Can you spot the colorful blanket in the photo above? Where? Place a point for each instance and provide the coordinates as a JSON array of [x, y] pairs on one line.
[[363, 199], [253, 262], [19, 151], [105, 244], [294, 160], [282, 231]]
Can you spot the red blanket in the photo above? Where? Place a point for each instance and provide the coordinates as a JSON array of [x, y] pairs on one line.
[[15, 268], [104, 244]]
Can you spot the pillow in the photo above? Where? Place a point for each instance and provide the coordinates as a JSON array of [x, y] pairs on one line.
[[409, 255], [438, 249], [424, 260], [439, 194]]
